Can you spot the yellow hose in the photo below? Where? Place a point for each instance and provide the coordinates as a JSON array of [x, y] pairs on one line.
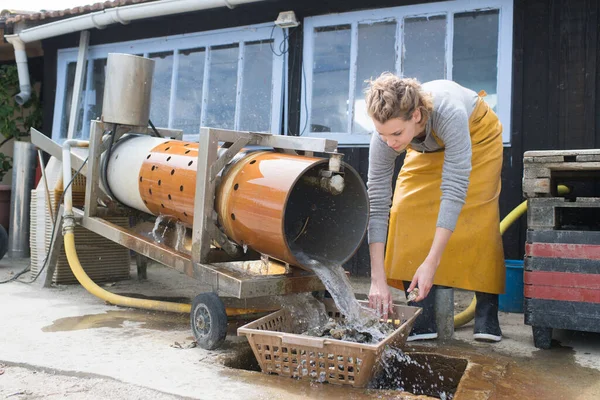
[[468, 314], [112, 298]]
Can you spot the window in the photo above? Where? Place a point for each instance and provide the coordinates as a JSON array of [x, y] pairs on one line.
[[228, 79], [469, 42]]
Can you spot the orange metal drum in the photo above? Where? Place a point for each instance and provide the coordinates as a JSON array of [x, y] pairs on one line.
[[167, 180], [265, 200], [252, 198]]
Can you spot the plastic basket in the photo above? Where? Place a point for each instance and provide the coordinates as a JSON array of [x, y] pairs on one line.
[[279, 350]]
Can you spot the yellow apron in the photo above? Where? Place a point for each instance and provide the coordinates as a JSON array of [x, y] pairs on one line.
[[474, 256]]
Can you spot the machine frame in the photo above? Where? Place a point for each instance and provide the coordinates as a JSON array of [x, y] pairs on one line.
[[213, 267]]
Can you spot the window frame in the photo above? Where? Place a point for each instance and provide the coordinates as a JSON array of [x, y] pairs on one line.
[[398, 14], [176, 43]]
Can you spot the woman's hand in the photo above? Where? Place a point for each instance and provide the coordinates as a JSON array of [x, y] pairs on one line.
[[423, 278], [380, 298]]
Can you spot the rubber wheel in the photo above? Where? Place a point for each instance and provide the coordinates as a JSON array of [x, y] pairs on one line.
[[542, 337], [208, 320], [3, 242]]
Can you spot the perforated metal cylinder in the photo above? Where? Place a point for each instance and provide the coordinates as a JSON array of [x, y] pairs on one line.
[[265, 200]]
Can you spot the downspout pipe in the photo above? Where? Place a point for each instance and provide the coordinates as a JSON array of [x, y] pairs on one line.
[[100, 20], [22, 68]]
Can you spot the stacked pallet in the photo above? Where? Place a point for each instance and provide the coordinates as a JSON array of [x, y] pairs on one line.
[[562, 253], [102, 259]]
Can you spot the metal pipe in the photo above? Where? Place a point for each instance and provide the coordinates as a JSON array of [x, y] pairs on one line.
[[444, 312], [67, 176], [100, 20], [23, 70], [123, 15], [23, 179], [47, 189]]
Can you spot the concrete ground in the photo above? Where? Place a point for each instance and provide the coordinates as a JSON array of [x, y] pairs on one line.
[[62, 342]]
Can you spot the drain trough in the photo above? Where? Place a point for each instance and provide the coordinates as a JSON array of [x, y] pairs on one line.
[[427, 374]]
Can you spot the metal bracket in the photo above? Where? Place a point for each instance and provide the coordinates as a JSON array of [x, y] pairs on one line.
[[92, 183], [211, 163], [176, 134]]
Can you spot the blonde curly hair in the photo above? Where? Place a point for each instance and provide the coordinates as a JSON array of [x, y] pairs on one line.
[[389, 96]]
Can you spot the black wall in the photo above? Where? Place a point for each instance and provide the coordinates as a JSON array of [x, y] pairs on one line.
[[556, 80]]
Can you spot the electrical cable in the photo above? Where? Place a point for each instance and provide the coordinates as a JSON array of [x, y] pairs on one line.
[[284, 49], [16, 276], [153, 128], [283, 45]]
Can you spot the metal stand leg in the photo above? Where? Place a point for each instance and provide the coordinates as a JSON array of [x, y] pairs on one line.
[[56, 246], [142, 267], [92, 189], [444, 312]]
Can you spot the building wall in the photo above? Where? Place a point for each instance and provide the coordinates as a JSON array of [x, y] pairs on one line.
[[556, 80]]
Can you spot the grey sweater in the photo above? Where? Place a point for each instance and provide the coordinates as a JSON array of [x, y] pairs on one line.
[[452, 107]]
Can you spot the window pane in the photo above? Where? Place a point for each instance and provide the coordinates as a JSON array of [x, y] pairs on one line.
[[70, 83], [475, 53], [376, 54], [188, 105], [95, 95], [331, 79], [220, 112], [161, 88], [257, 88], [424, 53]]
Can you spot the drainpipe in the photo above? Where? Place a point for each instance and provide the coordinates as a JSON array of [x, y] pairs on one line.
[[21, 58], [100, 20]]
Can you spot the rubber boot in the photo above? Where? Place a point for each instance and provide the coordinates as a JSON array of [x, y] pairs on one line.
[[487, 326], [424, 327]]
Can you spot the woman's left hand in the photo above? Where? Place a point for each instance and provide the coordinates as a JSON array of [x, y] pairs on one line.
[[423, 278]]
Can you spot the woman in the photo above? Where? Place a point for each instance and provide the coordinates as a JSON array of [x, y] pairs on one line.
[[444, 220]]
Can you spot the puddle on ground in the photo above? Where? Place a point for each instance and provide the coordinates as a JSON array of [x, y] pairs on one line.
[[417, 373], [122, 318]]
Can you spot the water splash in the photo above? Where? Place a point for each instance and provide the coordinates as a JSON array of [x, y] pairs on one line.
[[360, 324], [158, 237], [305, 309], [180, 230], [338, 285], [400, 371]]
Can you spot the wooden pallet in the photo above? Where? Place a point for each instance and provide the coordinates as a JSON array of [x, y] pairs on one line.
[[540, 167], [549, 213], [561, 283]]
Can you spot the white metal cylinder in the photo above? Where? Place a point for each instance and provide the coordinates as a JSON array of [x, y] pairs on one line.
[[124, 167], [127, 89]]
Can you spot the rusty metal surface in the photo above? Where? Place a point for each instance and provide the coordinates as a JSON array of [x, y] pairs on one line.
[[225, 278]]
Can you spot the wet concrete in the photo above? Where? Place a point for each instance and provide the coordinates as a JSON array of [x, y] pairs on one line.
[[119, 319], [67, 330], [547, 374]]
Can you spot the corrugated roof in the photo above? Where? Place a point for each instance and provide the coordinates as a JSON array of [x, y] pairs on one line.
[[13, 17]]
